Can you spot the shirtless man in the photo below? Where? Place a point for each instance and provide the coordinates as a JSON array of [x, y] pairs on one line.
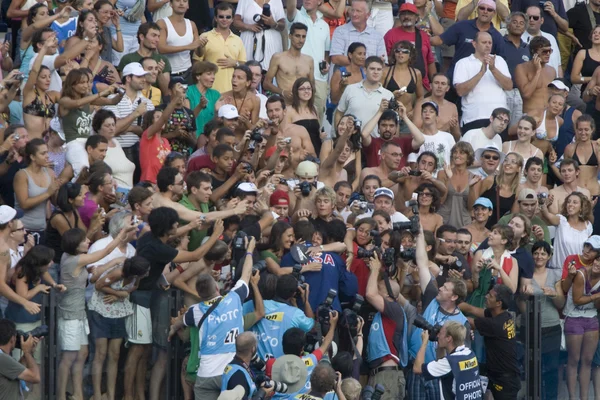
[[448, 119], [426, 165], [290, 65], [569, 173], [300, 144], [533, 76], [391, 154], [171, 185], [243, 98], [332, 168]]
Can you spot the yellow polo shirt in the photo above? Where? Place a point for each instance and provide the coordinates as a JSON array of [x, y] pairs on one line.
[[215, 49], [153, 94], [496, 21]]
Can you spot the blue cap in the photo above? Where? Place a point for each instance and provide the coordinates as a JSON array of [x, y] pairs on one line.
[[485, 202]]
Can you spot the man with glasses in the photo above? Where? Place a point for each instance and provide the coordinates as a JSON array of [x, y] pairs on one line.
[[534, 76], [448, 118], [489, 135], [391, 154], [464, 240], [461, 34], [468, 9], [481, 80], [534, 29], [557, 20], [222, 47], [487, 159]]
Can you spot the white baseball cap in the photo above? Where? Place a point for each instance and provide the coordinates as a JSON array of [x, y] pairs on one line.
[[134, 68], [228, 111], [8, 213]]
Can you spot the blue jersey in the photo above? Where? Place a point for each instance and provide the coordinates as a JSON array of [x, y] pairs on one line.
[[232, 369], [378, 346], [279, 317], [465, 370], [64, 32]]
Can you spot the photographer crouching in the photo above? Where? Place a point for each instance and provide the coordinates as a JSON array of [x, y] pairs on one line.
[[458, 370], [14, 374]]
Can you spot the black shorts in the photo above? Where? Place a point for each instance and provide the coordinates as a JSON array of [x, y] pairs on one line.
[[504, 387]]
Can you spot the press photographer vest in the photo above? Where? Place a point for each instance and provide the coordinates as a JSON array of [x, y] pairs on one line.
[[434, 316], [310, 361], [378, 346], [222, 325], [466, 376], [232, 369]]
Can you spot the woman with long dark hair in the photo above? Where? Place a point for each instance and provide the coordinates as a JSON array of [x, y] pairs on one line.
[[428, 198], [401, 78], [344, 76], [34, 186], [303, 111]]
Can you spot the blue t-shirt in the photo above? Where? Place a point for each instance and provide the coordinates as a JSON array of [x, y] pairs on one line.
[[461, 35], [333, 275], [515, 55], [64, 31]]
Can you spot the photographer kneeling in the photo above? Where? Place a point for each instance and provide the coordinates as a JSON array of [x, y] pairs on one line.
[[458, 370], [11, 371]]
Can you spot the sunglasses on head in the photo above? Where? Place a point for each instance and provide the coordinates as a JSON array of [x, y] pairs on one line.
[[401, 50], [490, 10], [534, 17]]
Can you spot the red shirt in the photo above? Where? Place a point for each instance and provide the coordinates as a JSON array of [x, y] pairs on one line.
[[152, 155], [197, 163], [397, 34], [269, 364], [372, 151], [360, 269], [578, 264]]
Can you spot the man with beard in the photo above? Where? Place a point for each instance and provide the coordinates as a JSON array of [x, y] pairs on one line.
[[438, 142], [424, 60], [534, 76], [286, 67], [448, 118], [481, 80], [488, 158], [154, 94], [534, 29], [516, 52], [527, 204], [243, 98], [391, 154], [386, 122], [300, 144], [148, 35]]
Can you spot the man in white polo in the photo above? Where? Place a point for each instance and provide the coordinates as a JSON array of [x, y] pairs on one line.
[[363, 99]]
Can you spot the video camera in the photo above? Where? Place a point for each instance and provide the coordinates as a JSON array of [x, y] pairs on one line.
[[39, 332], [434, 330], [324, 309], [370, 393]]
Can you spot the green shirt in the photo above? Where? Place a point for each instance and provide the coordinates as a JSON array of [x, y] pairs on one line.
[[268, 254], [196, 236], [208, 113], [534, 221], [136, 57]]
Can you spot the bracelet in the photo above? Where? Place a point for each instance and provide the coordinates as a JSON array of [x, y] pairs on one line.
[[249, 254], [361, 335], [118, 30], [179, 268]]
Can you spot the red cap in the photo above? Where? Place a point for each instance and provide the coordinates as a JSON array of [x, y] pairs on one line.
[[279, 198], [409, 7], [271, 150]]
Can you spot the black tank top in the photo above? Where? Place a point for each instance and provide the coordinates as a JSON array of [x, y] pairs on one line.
[[53, 237], [502, 205], [588, 67]]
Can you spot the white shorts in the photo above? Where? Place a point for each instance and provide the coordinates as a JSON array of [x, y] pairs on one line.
[[72, 334], [139, 325]]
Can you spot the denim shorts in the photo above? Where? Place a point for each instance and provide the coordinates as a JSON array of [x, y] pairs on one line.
[[107, 328], [580, 325]]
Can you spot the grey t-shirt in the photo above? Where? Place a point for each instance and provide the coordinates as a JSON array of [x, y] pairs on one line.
[[10, 369], [71, 303], [550, 315]]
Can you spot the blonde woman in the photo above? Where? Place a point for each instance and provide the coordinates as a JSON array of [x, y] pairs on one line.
[[501, 189]]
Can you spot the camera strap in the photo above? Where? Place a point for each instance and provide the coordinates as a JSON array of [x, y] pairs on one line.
[[354, 349], [254, 48], [207, 313]]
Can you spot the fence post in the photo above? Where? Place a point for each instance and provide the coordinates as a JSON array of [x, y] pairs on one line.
[[533, 352]]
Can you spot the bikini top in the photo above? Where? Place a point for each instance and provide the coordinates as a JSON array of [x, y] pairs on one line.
[[542, 134], [592, 161], [392, 86], [38, 108]]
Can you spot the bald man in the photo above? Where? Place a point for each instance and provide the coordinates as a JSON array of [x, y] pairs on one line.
[[481, 80]]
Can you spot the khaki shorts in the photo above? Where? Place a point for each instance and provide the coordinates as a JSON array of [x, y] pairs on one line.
[[72, 334]]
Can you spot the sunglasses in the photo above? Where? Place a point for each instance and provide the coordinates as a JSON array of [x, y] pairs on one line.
[[547, 51], [403, 51], [224, 16], [490, 10], [534, 17], [490, 157]]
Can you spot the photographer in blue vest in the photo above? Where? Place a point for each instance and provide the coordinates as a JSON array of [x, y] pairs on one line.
[[458, 371], [387, 350], [439, 305], [281, 314], [220, 321], [238, 371]]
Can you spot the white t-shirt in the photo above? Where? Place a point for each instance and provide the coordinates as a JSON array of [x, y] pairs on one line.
[[487, 95], [478, 140], [55, 81], [440, 144]]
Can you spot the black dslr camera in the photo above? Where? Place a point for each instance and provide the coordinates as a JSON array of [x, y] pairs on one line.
[[434, 330], [349, 317], [257, 135], [266, 11], [39, 332], [305, 188], [414, 225], [355, 138], [324, 309]]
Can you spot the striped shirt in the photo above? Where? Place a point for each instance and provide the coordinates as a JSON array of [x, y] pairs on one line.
[[345, 35], [124, 109]]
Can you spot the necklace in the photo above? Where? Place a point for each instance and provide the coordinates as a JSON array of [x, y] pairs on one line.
[[235, 102]]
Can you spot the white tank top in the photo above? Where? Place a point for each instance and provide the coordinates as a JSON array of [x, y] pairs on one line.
[[180, 61]]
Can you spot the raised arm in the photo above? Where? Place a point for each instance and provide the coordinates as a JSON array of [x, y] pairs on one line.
[[422, 261], [553, 219], [372, 294]]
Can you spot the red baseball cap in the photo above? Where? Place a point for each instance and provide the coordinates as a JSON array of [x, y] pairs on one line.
[[409, 7], [279, 198]]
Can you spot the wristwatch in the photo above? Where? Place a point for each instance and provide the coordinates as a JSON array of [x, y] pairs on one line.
[[582, 79]]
